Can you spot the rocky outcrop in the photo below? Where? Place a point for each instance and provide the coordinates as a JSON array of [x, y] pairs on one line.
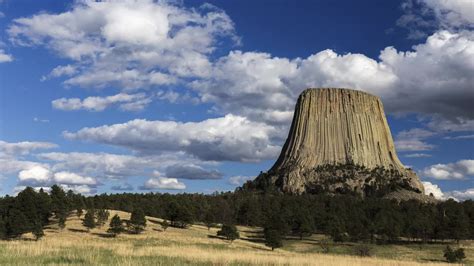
[[339, 140]]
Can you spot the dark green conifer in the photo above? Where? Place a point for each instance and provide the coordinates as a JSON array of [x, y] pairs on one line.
[[89, 220], [137, 221], [229, 231], [38, 230], [115, 226]]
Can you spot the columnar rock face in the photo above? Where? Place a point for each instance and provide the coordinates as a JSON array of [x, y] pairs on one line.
[[334, 126], [339, 134]]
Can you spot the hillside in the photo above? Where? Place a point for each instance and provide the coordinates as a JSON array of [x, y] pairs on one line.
[[198, 246]]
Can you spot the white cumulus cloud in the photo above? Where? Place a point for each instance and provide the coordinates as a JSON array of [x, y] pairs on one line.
[[239, 180], [436, 75], [112, 166], [125, 42], [467, 194], [23, 147], [4, 57], [130, 102], [35, 175], [231, 138], [433, 189], [82, 189], [457, 170], [455, 13], [60, 71], [69, 178], [161, 182]]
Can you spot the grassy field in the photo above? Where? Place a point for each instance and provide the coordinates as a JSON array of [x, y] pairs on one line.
[[198, 246]]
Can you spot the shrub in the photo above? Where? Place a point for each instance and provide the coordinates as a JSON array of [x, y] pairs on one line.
[[325, 245], [79, 212], [229, 231], [454, 255], [363, 250], [165, 225]]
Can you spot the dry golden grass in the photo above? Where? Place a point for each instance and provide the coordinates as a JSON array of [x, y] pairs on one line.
[[195, 245]]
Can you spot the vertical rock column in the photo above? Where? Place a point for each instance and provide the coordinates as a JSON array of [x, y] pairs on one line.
[[337, 126]]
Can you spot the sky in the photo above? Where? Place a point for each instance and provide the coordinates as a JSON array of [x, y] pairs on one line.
[[198, 96]]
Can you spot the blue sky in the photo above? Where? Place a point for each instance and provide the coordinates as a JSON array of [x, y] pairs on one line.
[[197, 96]]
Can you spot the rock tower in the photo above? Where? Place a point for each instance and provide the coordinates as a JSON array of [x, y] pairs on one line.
[[339, 142]]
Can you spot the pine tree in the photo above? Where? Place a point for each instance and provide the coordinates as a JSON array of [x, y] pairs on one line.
[[38, 230], [16, 223], [79, 212], [276, 226], [229, 231], [178, 214], [25, 202], [115, 226], [58, 201], [89, 220], [3, 229], [102, 217], [273, 238], [209, 218], [165, 225], [304, 224], [457, 222], [137, 221], [43, 203], [62, 221]]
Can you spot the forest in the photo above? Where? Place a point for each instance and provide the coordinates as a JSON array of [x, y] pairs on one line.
[[343, 218]]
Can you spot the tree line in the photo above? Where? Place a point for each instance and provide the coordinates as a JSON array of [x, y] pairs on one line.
[[343, 218]]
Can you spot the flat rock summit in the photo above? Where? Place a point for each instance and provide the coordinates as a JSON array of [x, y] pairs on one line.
[[339, 142]]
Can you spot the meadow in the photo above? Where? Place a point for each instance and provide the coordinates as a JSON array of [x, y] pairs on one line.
[[197, 245]]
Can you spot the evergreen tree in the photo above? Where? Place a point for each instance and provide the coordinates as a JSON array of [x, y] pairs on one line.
[[229, 231], [388, 223], [178, 214], [3, 229], [26, 203], [358, 227], [209, 218], [457, 222], [102, 217], [79, 212], [62, 221], [165, 225], [38, 230], [78, 203], [58, 201], [273, 238], [43, 204], [16, 223], [275, 228], [336, 228], [115, 226], [303, 223], [89, 221], [70, 200], [137, 221]]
